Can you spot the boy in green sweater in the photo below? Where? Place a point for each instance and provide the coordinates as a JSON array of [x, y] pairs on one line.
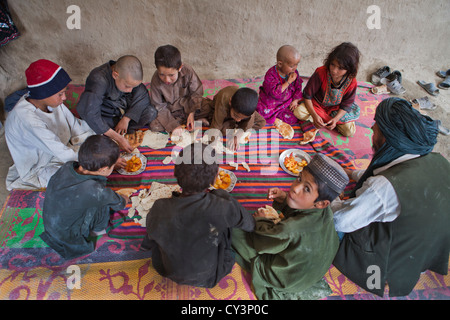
[[288, 259]]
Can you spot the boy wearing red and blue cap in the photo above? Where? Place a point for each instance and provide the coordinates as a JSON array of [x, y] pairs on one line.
[[41, 133]]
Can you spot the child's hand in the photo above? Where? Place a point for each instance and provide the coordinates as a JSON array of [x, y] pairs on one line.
[[292, 77], [276, 194], [121, 163], [124, 145], [293, 105], [190, 122], [332, 124], [259, 213], [318, 122], [122, 126], [127, 199], [178, 131]]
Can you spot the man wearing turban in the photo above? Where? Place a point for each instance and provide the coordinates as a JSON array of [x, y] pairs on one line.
[[398, 217]]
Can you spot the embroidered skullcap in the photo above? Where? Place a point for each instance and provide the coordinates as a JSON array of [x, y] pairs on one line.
[[45, 78], [329, 172]]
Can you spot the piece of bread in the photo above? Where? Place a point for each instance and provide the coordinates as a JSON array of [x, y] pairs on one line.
[[126, 191], [272, 214], [309, 136], [285, 130], [135, 139]]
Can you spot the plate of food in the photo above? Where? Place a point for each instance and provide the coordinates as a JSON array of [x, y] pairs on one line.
[[225, 180], [136, 164], [293, 161]]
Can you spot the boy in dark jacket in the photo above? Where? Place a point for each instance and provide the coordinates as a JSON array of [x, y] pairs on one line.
[[190, 233], [77, 201], [115, 101]]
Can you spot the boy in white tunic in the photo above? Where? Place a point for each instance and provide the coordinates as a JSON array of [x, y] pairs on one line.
[[41, 133]]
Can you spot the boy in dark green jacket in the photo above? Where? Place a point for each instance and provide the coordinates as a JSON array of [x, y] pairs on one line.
[[288, 260]]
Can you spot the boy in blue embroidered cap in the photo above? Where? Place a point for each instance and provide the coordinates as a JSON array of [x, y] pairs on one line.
[[288, 259]]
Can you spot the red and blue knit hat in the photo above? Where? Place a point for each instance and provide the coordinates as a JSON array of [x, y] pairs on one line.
[[45, 78]]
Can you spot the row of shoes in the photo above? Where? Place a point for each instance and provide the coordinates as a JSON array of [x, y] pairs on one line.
[[424, 102], [431, 87], [387, 81]]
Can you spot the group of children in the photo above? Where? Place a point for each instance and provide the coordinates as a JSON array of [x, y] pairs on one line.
[[197, 235]]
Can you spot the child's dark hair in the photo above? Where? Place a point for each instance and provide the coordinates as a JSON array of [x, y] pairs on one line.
[[245, 101], [168, 56], [347, 55], [195, 175], [97, 152], [325, 192]]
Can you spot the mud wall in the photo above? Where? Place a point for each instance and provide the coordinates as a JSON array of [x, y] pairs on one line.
[[224, 38]]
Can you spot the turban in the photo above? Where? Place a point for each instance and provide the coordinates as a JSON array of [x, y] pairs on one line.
[[406, 131]]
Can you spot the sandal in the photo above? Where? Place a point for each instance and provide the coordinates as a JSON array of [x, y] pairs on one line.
[[424, 103], [445, 84], [443, 74], [393, 82], [380, 89], [380, 74], [442, 130], [429, 87]]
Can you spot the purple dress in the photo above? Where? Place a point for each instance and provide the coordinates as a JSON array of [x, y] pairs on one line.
[[273, 103]]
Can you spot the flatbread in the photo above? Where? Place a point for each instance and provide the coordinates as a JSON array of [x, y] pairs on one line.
[[245, 138], [135, 139], [126, 191], [284, 129], [217, 145], [234, 165], [143, 202], [167, 160], [155, 140], [186, 138], [246, 167], [272, 214], [309, 136]]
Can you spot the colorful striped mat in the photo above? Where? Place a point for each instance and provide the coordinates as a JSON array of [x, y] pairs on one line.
[[262, 155]]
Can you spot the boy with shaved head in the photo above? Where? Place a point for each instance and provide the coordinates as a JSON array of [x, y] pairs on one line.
[[115, 101], [281, 90]]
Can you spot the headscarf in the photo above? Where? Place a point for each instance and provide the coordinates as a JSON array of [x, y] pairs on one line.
[[406, 130]]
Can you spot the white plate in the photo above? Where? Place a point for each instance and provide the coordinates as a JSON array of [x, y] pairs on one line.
[[299, 155], [232, 177], [128, 156]]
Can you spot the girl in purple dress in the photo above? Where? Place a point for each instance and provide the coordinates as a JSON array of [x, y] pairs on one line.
[[282, 88]]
